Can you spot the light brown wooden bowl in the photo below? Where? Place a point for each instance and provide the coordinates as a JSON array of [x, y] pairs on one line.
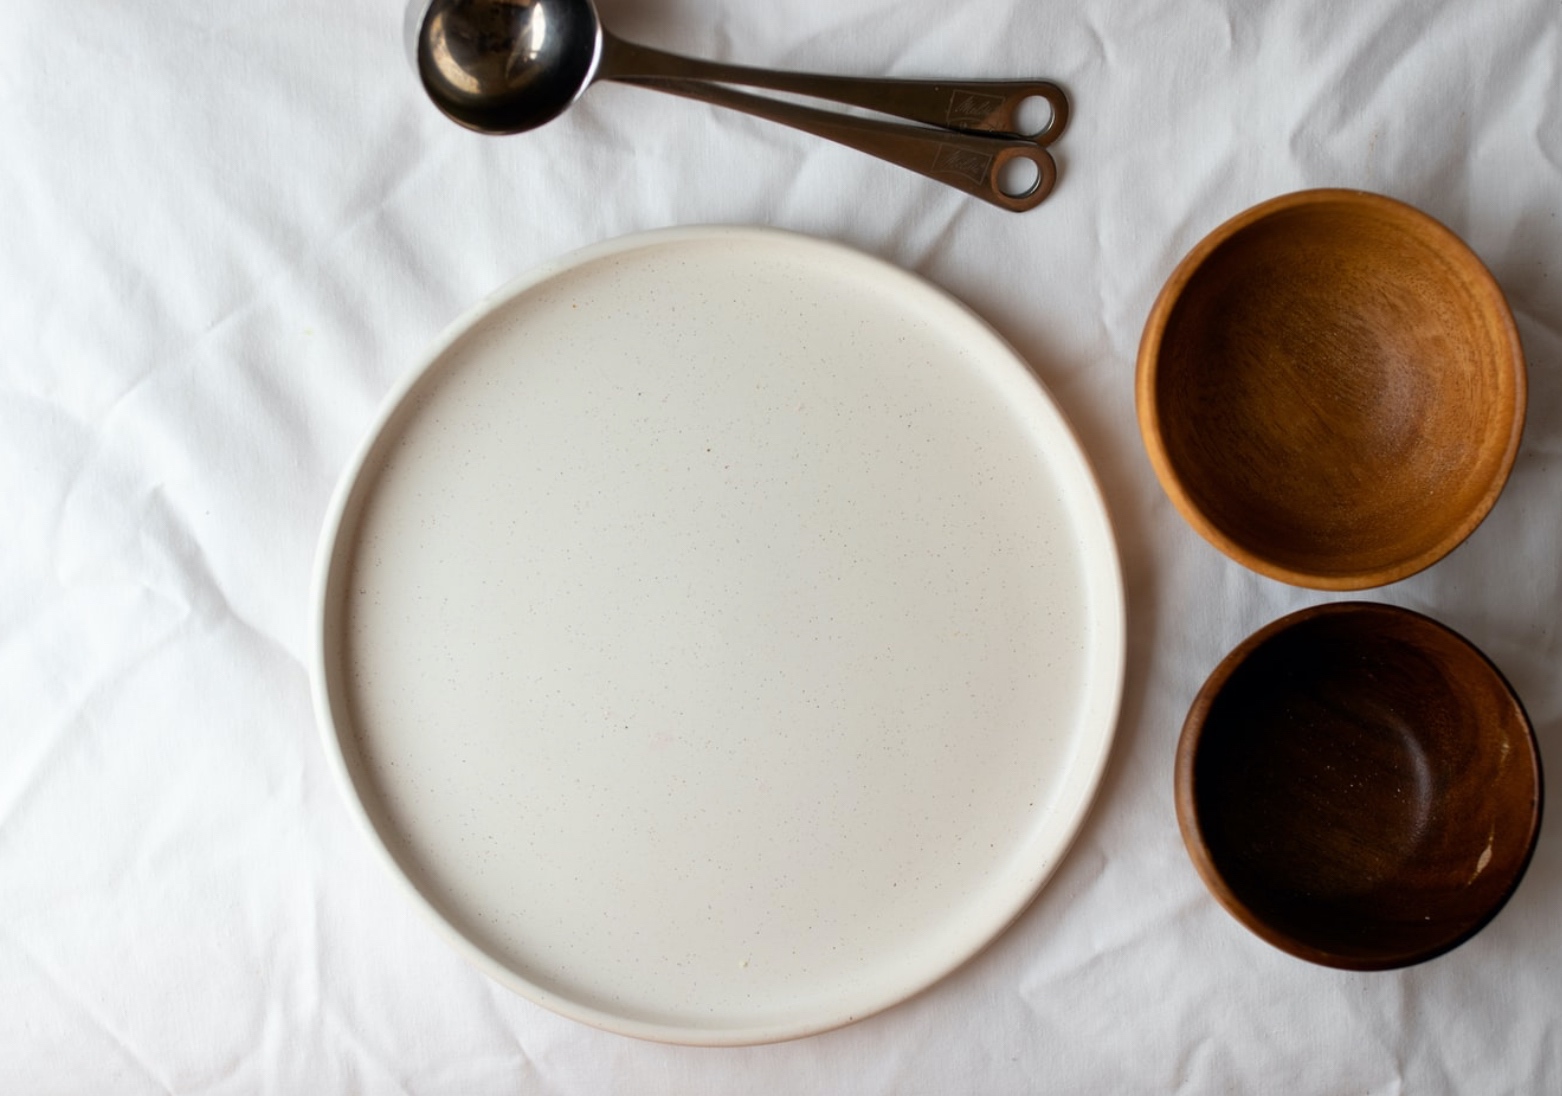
[[1331, 389], [1359, 786]]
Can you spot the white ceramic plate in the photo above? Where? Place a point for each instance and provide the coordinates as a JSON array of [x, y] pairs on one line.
[[721, 634]]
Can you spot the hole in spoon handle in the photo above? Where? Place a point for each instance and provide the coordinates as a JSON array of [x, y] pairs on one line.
[[1023, 174], [1016, 110]]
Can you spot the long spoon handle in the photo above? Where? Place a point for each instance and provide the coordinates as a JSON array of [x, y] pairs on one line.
[[980, 106], [966, 161]]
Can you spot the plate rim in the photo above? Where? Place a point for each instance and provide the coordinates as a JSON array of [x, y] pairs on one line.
[[1086, 768]]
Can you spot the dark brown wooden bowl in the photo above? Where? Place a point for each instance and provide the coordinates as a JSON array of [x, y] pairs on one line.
[[1331, 389], [1359, 786]]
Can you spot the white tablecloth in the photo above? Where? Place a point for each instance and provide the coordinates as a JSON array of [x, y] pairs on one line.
[[229, 228]]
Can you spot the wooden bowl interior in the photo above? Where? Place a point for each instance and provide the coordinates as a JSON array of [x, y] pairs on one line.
[[1361, 788], [1338, 389]]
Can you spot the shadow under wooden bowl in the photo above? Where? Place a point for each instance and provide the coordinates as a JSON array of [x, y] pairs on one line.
[[1359, 786], [1332, 390]]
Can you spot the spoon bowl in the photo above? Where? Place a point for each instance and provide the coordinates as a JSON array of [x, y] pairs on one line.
[[502, 67]]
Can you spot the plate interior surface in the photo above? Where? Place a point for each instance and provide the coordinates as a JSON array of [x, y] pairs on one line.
[[721, 634]]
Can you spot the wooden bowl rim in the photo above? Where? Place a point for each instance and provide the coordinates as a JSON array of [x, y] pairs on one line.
[[1187, 808], [1494, 304]]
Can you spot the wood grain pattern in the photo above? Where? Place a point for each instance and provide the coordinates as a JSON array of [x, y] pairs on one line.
[[1332, 390], [1359, 786]]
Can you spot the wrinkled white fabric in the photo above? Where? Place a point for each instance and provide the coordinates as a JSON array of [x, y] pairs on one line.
[[228, 229]]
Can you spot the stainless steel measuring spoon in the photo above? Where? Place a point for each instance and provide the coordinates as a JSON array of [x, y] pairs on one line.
[[507, 66]]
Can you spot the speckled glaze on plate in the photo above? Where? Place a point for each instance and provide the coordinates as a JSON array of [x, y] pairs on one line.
[[721, 634]]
